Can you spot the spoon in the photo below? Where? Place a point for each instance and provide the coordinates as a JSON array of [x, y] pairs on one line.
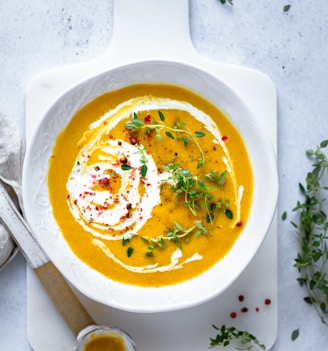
[[11, 160], [66, 302]]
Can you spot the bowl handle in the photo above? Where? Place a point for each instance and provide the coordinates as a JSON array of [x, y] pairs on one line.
[[148, 29]]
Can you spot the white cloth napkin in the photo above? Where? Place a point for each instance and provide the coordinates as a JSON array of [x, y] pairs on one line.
[[12, 150]]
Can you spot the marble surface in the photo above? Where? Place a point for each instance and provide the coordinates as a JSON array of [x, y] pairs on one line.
[[291, 48]]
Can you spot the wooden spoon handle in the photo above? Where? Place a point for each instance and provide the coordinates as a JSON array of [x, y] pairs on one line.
[[68, 305]]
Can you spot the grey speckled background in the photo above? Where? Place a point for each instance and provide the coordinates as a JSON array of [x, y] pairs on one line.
[[291, 48]]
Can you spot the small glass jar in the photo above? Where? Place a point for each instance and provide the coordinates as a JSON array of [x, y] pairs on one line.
[[100, 337]]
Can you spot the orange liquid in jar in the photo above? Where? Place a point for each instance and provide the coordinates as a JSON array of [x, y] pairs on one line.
[[109, 342]]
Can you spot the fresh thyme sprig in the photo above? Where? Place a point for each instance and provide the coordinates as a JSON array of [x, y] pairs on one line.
[[182, 132], [219, 179], [312, 228], [174, 234], [194, 190], [243, 339]]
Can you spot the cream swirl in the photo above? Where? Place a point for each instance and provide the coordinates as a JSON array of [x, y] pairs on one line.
[[101, 212]]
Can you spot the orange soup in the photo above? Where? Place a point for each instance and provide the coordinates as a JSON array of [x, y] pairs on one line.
[[150, 185]]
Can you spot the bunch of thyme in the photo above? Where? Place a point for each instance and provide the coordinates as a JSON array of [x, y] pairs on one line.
[[312, 227]]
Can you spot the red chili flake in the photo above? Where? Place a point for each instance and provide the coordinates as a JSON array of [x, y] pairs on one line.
[[257, 309], [241, 298], [239, 224], [119, 143], [148, 119], [267, 301], [225, 138], [68, 196], [123, 160], [244, 310], [75, 202], [133, 140], [233, 315], [104, 181]]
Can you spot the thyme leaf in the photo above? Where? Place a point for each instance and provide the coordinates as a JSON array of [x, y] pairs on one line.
[[150, 252], [199, 134], [129, 251], [143, 160], [295, 334], [161, 116], [125, 167], [284, 216], [143, 170], [169, 134]]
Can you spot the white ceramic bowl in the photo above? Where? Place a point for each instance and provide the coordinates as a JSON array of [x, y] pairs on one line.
[[138, 299]]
